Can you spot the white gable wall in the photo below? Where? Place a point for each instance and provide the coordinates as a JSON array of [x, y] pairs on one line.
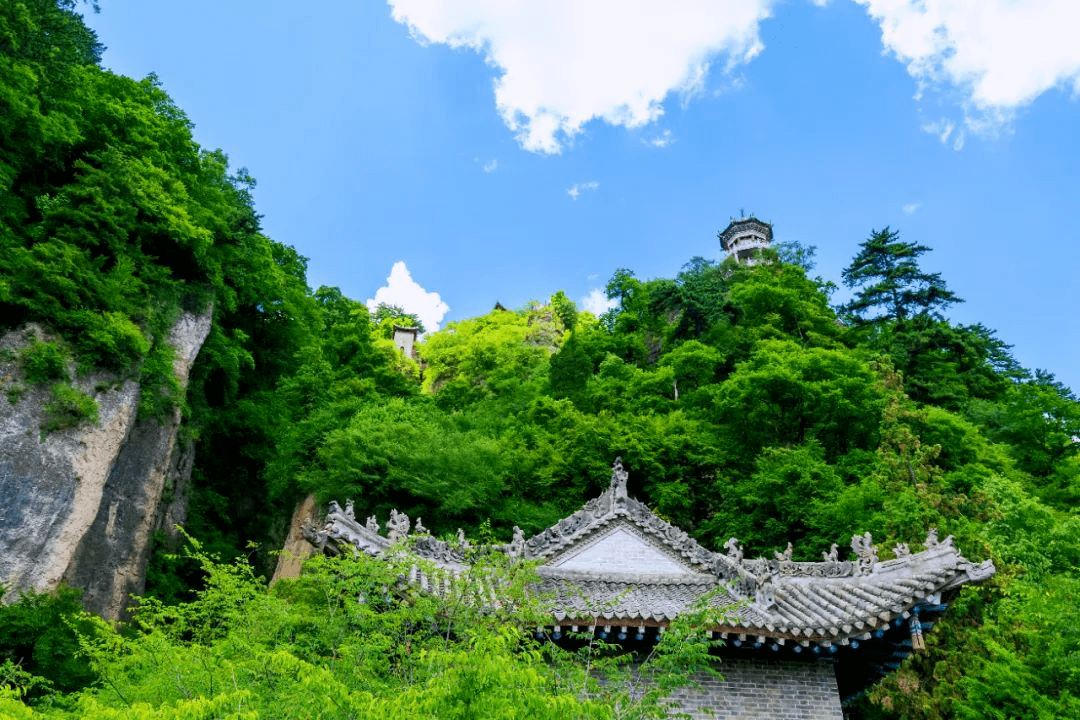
[[621, 551]]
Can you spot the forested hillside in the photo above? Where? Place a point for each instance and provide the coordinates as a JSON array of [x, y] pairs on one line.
[[740, 400]]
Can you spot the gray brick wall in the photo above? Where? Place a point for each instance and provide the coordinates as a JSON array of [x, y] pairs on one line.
[[753, 690]]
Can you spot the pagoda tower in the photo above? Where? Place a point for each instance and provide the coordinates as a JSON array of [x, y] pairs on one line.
[[743, 238]]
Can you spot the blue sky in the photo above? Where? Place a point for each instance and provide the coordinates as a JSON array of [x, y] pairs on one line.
[[504, 150]]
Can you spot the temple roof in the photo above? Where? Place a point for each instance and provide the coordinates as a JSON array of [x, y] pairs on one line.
[[615, 562]]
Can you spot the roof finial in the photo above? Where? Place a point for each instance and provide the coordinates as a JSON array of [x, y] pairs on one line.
[[618, 479]]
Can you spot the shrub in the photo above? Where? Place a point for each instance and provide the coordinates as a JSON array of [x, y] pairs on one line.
[[39, 645], [69, 407], [44, 362], [110, 340], [161, 391]]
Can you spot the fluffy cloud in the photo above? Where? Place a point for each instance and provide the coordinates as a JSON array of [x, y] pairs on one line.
[[597, 302], [910, 208], [576, 189], [999, 55], [563, 63], [403, 291]]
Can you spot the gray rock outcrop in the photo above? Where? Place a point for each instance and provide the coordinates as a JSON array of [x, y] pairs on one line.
[[80, 506], [296, 549]]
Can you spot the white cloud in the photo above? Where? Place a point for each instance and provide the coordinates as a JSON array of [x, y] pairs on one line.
[[992, 57], [563, 63], [576, 189], [910, 208], [661, 141], [403, 291], [597, 302]]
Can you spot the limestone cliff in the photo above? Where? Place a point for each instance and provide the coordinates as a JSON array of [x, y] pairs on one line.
[[80, 505], [296, 549]]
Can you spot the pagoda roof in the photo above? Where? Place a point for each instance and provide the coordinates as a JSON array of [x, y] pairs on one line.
[[734, 226], [615, 562]]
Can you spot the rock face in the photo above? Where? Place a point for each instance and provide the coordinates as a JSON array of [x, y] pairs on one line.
[[296, 549], [80, 506]]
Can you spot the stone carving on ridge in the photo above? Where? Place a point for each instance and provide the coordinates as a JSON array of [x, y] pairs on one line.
[[735, 551], [864, 548], [438, 551], [342, 527], [398, 526], [516, 548]]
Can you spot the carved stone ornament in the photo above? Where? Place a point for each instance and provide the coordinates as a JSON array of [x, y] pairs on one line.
[[863, 545], [517, 545], [832, 555], [786, 555], [397, 526], [618, 479], [902, 550], [734, 550], [932, 539], [438, 551], [419, 528], [372, 524], [350, 511]]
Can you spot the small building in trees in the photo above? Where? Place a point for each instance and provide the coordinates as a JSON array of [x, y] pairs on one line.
[[799, 638], [743, 239], [405, 340]]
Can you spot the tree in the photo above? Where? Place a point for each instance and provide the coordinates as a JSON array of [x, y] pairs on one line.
[[887, 273]]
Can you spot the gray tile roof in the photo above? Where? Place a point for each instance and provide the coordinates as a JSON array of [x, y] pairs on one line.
[[614, 562]]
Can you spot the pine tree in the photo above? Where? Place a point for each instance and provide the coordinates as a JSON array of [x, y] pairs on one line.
[[887, 273]]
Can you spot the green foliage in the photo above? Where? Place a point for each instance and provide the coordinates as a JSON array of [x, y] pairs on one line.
[[45, 362], [111, 340], [39, 646], [15, 392], [498, 354], [350, 639], [161, 391], [67, 407], [409, 455], [785, 395]]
